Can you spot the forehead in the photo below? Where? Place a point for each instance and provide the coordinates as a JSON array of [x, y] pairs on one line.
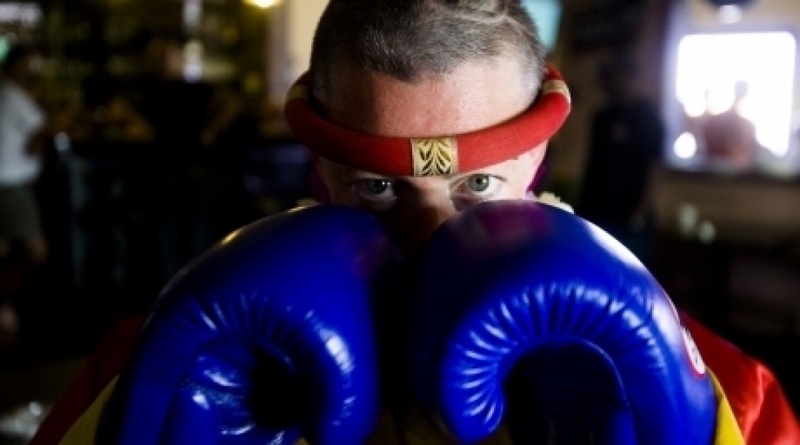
[[475, 95]]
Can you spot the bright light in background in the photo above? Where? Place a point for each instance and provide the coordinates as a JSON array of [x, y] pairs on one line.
[[192, 14], [193, 60], [709, 65], [27, 14], [685, 146], [729, 13], [263, 4], [720, 99], [695, 106]]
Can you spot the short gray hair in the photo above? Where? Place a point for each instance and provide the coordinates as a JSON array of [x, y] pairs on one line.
[[407, 39]]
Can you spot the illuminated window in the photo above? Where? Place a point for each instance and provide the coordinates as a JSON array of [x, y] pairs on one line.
[[750, 75]]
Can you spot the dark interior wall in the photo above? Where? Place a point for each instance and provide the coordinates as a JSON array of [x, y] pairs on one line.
[[85, 38], [590, 31]]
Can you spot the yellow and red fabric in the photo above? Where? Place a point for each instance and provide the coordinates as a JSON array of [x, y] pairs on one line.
[[756, 399]]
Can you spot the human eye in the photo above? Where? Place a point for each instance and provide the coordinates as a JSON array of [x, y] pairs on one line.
[[377, 193], [480, 184], [477, 188], [375, 187]]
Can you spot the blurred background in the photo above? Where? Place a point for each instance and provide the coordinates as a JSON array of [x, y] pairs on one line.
[[165, 132]]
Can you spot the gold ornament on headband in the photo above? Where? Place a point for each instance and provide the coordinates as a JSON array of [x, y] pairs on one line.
[[434, 157]]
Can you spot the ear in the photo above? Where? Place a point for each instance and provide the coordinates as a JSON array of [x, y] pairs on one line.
[[536, 157]]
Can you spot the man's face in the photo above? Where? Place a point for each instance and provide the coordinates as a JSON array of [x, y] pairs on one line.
[[473, 97]]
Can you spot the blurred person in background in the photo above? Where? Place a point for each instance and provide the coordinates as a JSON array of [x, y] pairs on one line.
[[730, 138], [23, 123], [627, 137]]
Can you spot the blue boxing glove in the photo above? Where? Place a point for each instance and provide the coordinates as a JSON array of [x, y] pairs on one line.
[[265, 338], [527, 315]]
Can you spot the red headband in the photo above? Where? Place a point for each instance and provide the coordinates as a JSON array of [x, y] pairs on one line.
[[445, 155]]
